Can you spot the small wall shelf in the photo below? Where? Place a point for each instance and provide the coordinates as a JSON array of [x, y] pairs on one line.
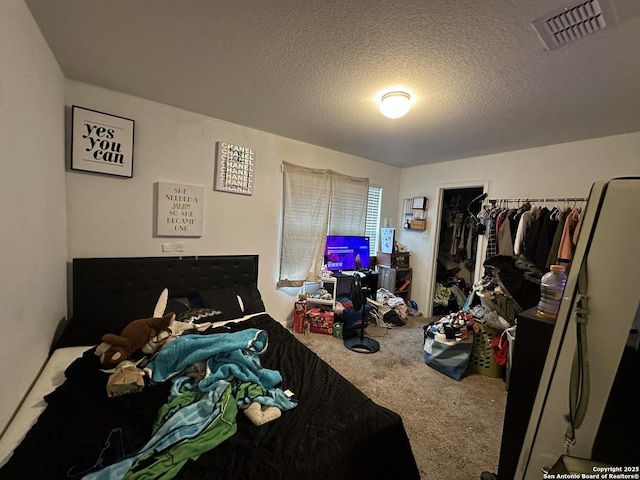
[[413, 213]]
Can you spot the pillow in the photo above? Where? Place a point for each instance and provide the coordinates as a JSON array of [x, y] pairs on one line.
[[251, 299], [184, 301], [223, 300], [110, 314]]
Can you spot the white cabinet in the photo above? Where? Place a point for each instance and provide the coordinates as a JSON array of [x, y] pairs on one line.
[[310, 288]]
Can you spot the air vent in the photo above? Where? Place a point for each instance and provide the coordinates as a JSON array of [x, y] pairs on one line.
[[574, 22]]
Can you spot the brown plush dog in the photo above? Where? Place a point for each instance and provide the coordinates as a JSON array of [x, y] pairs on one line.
[[117, 348]]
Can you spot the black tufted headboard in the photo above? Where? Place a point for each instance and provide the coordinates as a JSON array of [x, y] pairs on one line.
[[94, 277]]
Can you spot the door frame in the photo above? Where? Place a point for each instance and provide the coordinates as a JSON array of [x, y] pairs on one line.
[[480, 252]]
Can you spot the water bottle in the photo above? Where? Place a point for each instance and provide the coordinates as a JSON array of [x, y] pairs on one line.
[[551, 290]]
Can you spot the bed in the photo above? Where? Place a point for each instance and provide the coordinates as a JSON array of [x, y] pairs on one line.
[[333, 431]]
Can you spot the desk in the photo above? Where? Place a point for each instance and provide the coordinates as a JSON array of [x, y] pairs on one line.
[[343, 286]]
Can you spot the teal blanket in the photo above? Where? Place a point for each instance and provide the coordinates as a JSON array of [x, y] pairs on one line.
[[226, 354]]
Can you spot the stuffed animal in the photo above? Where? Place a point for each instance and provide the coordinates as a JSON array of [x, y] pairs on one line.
[[175, 330], [116, 348], [261, 414], [127, 378]]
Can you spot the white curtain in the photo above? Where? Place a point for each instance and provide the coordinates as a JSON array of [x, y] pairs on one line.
[[309, 197], [306, 193]]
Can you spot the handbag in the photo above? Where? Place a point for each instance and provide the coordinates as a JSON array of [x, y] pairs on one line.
[[448, 345]]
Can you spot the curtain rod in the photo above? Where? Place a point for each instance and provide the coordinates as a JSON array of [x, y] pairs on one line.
[[540, 200]]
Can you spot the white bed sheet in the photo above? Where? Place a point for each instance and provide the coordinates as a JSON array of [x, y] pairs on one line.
[[52, 376]]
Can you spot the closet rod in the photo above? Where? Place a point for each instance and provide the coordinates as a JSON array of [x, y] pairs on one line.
[[544, 200]]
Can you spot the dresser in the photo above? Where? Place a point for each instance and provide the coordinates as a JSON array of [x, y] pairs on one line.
[[533, 336]]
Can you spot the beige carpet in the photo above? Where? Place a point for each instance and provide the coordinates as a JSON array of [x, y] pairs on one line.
[[454, 427]]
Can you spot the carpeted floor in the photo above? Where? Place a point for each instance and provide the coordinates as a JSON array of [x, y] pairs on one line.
[[455, 427]]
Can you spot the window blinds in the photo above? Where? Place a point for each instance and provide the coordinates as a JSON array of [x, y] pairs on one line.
[[372, 226], [348, 206]]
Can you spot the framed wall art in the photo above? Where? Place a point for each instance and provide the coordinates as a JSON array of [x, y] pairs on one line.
[[387, 239], [419, 203], [101, 143], [180, 210], [234, 168]]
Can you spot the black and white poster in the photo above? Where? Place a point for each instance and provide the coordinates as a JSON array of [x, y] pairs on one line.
[[101, 143], [180, 210]]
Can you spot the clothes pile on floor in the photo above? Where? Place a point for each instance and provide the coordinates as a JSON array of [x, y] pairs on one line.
[[488, 315], [389, 310], [450, 293]]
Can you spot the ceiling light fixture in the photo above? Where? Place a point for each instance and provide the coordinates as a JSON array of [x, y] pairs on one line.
[[395, 104]]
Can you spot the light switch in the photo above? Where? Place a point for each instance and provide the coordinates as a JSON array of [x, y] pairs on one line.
[[173, 247]]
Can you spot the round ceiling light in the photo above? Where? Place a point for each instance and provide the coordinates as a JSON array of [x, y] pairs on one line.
[[395, 104]]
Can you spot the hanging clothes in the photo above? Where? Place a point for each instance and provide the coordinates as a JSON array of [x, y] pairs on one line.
[[526, 219], [472, 239], [514, 219], [491, 241], [533, 234], [544, 236], [505, 239], [500, 218], [457, 235], [552, 258], [567, 243], [547, 232], [576, 232]]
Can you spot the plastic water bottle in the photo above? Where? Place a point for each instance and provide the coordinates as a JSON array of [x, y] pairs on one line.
[[551, 290]]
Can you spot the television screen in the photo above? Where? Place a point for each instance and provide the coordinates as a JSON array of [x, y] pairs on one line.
[[345, 252]]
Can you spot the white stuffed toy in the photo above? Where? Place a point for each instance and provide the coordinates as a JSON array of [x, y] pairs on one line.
[[174, 330]]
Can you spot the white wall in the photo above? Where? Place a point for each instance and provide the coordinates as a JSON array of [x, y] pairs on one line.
[[566, 170], [33, 243], [110, 216]]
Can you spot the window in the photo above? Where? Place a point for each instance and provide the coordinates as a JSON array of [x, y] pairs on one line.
[[372, 227], [316, 202]]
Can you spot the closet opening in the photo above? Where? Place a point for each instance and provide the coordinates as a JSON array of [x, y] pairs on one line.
[[457, 250]]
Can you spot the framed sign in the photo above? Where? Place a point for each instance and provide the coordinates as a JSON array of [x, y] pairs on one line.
[[387, 239], [180, 210], [234, 168], [101, 143]]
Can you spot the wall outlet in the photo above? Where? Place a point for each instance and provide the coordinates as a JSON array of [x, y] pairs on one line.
[[172, 247]]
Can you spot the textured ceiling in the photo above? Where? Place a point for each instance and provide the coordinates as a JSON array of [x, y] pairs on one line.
[[311, 70]]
